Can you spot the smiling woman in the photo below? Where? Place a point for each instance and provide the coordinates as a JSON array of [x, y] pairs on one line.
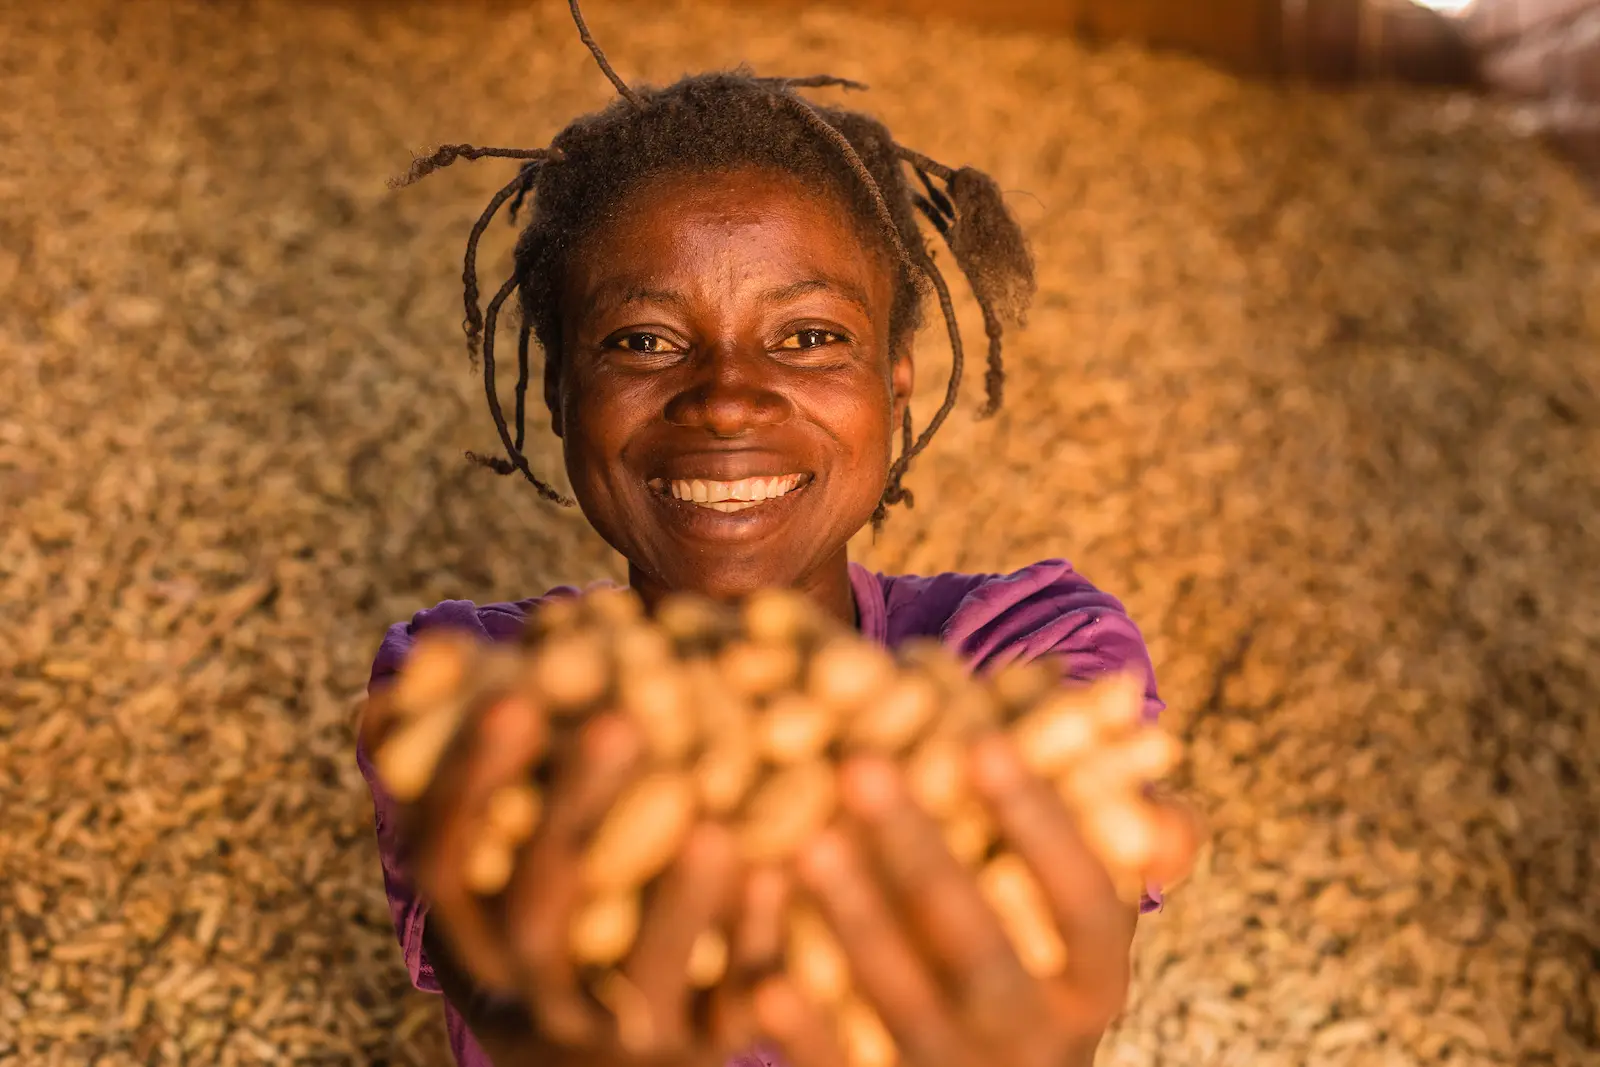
[[725, 281]]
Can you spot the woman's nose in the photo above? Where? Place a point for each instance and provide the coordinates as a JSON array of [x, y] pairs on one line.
[[731, 393]]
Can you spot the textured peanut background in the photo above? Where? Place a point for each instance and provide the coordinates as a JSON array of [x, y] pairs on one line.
[[1312, 382]]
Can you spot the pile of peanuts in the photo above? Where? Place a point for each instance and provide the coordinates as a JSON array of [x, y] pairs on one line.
[[745, 713]]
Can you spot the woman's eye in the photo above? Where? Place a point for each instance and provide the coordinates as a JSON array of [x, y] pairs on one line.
[[811, 339], [643, 343]]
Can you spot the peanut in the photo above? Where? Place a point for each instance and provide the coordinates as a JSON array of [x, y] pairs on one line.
[[603, 929], [866, 1042], [845, 673], [794, 729], [513, 811], [937, 775], [570, 670], [434, 672], [725, 773], [640, 644], [777, 616], [489, 865], [613, 605], [689, 618], [406, 761], [1020, 685], [788, 808], [1056, 733], [756, 670], [708, 960], [657, 698], [815, 961], [969, 832], [1011, 890], [555, 615], [895, 720], [642, 832]]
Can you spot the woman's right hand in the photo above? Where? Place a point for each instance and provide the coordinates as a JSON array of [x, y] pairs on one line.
[[513, 948]]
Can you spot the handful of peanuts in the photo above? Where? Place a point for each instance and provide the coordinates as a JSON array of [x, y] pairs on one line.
[[745, 713]]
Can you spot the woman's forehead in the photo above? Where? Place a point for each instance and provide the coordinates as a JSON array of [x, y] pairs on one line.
[[698, 222], [747, 193]]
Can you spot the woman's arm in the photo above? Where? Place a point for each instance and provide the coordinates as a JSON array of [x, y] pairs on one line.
[[502, 1027]]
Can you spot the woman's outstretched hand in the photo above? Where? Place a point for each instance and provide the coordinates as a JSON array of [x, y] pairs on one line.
[[929, 954], [504, 961]]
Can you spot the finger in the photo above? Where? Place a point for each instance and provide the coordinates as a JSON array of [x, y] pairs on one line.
[[691, 898], [492, 751], [755, 953], [809, 1038], [1096, 925], [1177, 840], [887, 968], [547, 886], [942, 899]]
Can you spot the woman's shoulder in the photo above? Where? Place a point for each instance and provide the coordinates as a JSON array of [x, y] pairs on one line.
[[959, 604], [993, 618]]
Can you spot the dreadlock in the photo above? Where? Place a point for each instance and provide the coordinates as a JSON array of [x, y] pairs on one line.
[[721, 120]]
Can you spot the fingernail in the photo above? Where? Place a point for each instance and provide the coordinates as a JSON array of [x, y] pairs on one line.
[[996, 766], [870, 786]]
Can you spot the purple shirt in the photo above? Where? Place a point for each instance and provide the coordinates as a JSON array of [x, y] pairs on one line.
[[988, 619]]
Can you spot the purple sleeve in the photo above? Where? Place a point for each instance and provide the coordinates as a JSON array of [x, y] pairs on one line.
[[495, 622], [1050, 609]]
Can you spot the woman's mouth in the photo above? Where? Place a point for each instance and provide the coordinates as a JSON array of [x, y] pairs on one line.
[[729, 496]]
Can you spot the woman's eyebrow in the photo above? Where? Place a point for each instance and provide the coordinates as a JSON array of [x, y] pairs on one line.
[[850, 291], [619, 294]]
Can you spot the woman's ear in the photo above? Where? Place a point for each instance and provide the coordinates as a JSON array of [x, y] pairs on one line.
[[902, 380], [552, 391]]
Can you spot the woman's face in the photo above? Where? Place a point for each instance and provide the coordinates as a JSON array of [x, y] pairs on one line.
[[727, 395]]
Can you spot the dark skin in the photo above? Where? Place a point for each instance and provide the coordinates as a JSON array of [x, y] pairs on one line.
[[720, 327], [725, 327]]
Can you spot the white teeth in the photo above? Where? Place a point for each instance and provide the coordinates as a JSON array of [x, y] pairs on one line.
[[733, 496]]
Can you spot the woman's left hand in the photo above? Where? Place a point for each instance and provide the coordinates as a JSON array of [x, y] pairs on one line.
[[928, 953]]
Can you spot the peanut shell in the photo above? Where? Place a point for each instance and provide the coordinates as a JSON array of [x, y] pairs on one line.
[[708, 960], [571, 670], [794, 729], [1024, 912], [788, 808], [815, 961], [846, 672], [642, 833], [513, 811], [866, 1042], [490, 862], [604, 928], [435, 672], [897, 718]]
